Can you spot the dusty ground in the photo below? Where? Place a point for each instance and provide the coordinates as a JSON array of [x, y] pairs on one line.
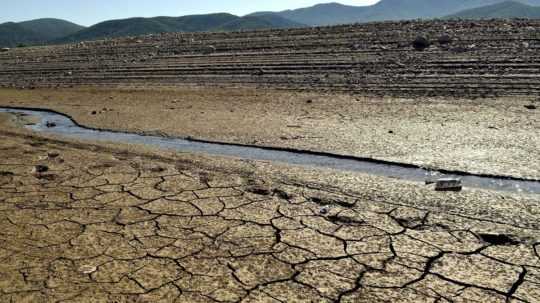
[[494, 136], [124, 224]]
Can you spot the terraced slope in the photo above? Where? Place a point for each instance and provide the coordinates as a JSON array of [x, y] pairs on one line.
[[484, 58]]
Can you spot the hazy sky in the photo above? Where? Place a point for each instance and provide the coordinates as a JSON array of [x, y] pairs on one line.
[[88, 12]]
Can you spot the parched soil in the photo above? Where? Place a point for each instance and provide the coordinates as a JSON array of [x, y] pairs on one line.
[[91, 223], [497, 136], [86, 222], [484, 58]]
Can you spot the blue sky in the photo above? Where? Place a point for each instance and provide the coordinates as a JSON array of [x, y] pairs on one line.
[[88, 12]]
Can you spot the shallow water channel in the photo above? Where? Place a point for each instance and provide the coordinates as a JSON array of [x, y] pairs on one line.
[[66, 127]]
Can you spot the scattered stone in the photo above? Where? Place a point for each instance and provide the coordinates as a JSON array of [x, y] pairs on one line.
[[390, 131], [448, 184], [420, 43], [40, 169], [94, 112], [530, 106], [53, 155], [309, 101], [87, 269], [68, 73], [324, 210], [444, 39], [50, 124], [501, 240]]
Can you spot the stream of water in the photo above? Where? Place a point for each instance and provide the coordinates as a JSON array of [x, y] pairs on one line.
[[66, 127]]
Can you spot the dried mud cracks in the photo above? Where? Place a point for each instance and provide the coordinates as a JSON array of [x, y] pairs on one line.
[[110, 227]]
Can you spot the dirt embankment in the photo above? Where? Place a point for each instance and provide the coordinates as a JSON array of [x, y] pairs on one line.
[[480, 58]]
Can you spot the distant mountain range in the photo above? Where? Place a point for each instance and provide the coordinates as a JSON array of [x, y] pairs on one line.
[[335, 13], [55, 31], [507, 9]]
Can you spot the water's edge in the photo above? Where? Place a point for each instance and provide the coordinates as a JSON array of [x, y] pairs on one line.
[[69, 127]]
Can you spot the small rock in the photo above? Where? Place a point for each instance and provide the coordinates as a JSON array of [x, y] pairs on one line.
[[420, 43], [495, 239], [309, 101], [530, 106], [53, 155], [87, 269], [448, 184], [324, 210], [444, 39], [40, 169], [94, 112], [390, 131], [50, 124]]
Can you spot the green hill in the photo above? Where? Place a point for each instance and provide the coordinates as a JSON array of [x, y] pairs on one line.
[[54, 31], [259, 22], [143, 26], [50, 29], [35, 31], [508, 9], [193, 23], [12, 34]]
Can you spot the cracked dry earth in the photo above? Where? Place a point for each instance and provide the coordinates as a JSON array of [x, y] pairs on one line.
[[106, 226]]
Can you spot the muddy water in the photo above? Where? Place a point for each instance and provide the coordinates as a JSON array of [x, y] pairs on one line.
[[66, 127]]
